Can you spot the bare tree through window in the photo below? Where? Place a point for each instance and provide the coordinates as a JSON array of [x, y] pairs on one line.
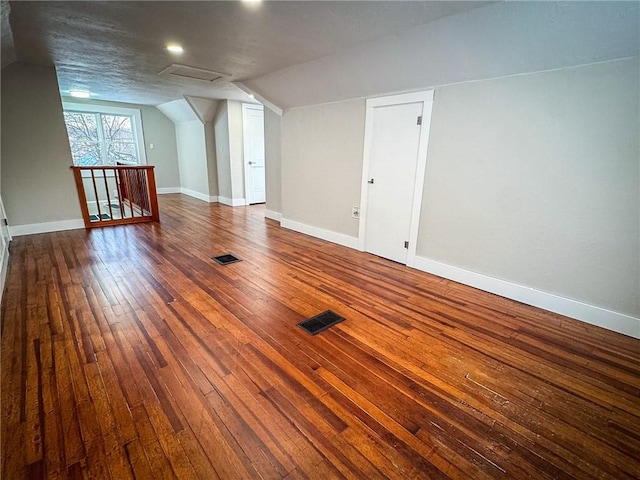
[[100, 139]]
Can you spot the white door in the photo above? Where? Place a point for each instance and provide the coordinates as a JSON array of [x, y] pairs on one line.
[[5, 238], [253, 132], [395, 159]]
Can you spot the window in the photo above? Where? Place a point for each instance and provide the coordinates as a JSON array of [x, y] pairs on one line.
[[104, 135]]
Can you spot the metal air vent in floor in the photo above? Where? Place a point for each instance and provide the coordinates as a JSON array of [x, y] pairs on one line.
[[226, 259], [320, 322]]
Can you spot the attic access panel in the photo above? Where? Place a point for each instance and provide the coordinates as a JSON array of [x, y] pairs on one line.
[[319, 323], [193, 73]]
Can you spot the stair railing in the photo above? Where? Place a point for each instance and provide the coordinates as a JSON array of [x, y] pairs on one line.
[[116, 195]]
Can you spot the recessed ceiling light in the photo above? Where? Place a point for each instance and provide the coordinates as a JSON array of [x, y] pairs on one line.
[[80, 93], [251, 95], [173, 48], [251, 1]]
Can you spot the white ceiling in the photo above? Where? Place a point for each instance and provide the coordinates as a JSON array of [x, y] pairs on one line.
[[498, 40], [116, 49]]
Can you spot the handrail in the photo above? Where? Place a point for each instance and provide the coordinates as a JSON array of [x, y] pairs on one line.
[[118, 195], [131, 167]]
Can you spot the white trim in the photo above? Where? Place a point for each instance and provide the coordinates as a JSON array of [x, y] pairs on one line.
[[426, 98], [4, 242], [236, 202], [271, 106], [4, 269], [134, 112], [232, 202], [273, 215], [421, 168], [415, 97], [3, 217], [335, 237], [618, 322], [46, 227], [166, 190], [245, 146], [198, 195]]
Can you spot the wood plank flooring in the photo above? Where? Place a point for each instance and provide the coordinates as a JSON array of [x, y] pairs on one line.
[[128, 353]]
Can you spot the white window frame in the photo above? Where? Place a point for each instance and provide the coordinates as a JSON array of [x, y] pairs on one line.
[[134, 113]]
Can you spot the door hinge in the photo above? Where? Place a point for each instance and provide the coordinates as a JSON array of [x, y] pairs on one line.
[[406, 244], [419, 122], [6, 222]]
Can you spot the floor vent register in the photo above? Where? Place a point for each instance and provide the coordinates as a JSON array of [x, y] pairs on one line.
[[319, 323], [226, 259]]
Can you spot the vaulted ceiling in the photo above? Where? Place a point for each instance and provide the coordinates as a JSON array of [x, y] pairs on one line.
[[295, 53], [117, 49]]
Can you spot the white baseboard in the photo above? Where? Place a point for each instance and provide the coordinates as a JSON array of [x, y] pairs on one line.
[[198, 195], [18, 230], [618, 322], [601, 317], [273, 215], [166, 190], [339, 238], [232, 202]]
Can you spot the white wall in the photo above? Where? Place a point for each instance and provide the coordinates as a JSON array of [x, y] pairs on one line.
[[159, 131], [223, 156], [322, 165], [212, 160], [192, 158], [193, 118], [236, 151], [101, 187], [273, 154], [532, 180], [535, 180], [209, 141], [229, 152], [37, 183]]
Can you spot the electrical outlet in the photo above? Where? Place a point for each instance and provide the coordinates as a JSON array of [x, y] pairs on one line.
[[355, 212]]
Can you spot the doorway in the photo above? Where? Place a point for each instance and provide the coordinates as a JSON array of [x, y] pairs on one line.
[[394, 164], [253, 140]]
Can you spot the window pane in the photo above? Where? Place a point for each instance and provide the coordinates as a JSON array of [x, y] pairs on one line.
[[121, 152], [85, 154], [81, 126], [101, 139], [117, 128], [82, 129]]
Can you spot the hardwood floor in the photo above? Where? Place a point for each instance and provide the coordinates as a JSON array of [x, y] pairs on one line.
[[128, 353]]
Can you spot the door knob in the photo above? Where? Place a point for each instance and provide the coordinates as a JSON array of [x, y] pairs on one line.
[[252, 163], [370, 181]]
